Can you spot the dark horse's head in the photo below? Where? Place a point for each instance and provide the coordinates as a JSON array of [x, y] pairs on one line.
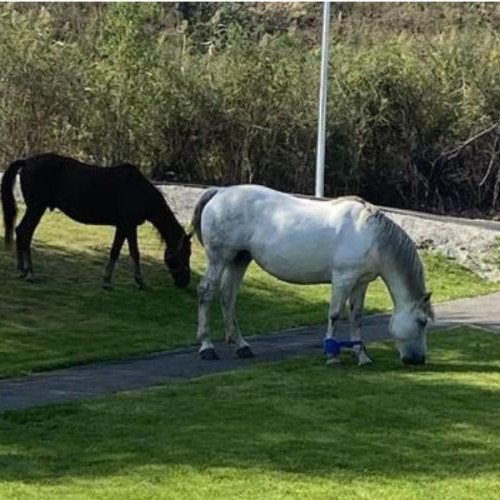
[[177, 261]]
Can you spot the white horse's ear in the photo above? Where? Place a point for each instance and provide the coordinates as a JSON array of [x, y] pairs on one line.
[[425, 305], [425, 300]]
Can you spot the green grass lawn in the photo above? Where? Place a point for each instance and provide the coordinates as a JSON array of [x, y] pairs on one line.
[[297, 429], [65, 318]]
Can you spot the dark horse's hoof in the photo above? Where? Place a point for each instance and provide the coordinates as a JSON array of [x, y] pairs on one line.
[[244, 352], [106, 285], [209, 354], [141, 286]]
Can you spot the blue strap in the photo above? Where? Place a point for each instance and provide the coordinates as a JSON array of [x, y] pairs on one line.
[[333, 347]]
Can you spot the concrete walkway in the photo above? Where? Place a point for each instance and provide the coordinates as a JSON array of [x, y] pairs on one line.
[[87, 381]]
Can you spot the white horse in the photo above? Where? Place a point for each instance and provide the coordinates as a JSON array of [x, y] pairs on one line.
[[346, 242]]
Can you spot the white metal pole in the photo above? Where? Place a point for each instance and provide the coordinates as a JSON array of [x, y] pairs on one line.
[[320, 148]]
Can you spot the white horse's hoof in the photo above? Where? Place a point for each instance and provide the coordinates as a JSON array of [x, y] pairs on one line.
[[363, 359], [332, 360], [244, 352], [209, 354]]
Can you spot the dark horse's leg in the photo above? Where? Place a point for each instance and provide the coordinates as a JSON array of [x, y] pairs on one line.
[[120, 235], [135, 256], [24, 235]]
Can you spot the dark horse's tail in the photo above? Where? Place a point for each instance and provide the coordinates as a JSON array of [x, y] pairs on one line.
[[198, 209], [8, 200]]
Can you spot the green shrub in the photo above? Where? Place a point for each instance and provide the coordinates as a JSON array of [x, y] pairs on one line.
[[227, 93]]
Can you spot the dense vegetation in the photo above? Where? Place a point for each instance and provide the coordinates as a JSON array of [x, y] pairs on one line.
[[226, 93]]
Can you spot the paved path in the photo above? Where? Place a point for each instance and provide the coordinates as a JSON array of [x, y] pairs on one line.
[[82, 382]]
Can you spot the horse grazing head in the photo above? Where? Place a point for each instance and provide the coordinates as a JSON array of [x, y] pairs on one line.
[[408, 326], [177, 261]]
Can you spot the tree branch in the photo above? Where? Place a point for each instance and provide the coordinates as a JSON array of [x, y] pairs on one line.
[[454, 152]]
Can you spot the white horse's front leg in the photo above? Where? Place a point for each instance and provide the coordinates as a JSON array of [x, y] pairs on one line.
[[231, 280], [206, 290], [356, 304], [340, 293]]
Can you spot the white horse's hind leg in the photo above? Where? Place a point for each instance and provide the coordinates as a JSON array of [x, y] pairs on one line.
[[231, 280], [356, 304], [206, 290]]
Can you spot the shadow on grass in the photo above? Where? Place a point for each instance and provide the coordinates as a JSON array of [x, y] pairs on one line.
[[65, 317], [297, 417]]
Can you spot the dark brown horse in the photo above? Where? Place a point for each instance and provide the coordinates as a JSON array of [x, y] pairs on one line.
[[117, 196]]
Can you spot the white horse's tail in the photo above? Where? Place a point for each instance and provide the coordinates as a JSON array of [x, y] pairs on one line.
[[198, 210]]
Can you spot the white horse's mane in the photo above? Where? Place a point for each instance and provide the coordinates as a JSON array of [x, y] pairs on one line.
[[396, 244]]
